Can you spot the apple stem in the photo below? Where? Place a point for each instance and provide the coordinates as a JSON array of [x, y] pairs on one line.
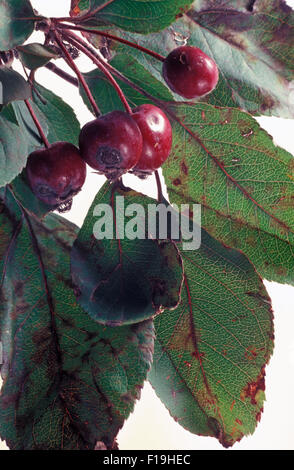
[[101, 64], [37, 123], [159, 187], [114, 38], [72, 64], [62, 74]]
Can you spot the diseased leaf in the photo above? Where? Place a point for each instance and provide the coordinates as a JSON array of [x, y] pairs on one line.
[[36, 55], [252, 46], [141, 16], [272, 257], [74, 382], [125, 277], [17, 20], [210, 353], [223, 160], [13, 86]]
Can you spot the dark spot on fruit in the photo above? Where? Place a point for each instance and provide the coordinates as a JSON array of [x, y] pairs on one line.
[[109, 157], [250, 5]]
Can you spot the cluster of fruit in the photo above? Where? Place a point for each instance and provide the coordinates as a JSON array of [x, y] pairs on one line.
[[119, 142]]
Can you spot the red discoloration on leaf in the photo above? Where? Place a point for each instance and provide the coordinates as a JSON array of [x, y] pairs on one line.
[[198, 355], [75, 9], [184, 168], [253, 388], [251, 353], [258, 415]]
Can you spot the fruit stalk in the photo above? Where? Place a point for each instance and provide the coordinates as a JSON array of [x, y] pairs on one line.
[[83, 47], [114, 38], [37, 123], [62, 74], [72, 64], [159, 187]]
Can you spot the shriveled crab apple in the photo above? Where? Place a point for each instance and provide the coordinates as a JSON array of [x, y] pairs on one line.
[[56, 174]]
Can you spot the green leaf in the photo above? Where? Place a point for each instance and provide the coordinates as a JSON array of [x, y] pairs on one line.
[[210, 353], [13, 150], [141, 16], [27, 198], [253, 51], [36, 55], [13, 86], [67, 382], [222, 159], [17, 20], [272, 257], [127, 280], [27, 125], [107, 97], [61, 119]]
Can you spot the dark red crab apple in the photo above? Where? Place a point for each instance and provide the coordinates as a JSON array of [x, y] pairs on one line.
[[56, 174], [157, 138], [111, 144], [189, 72]]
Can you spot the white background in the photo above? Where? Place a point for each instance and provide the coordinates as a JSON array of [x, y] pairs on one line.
[[150, 426]]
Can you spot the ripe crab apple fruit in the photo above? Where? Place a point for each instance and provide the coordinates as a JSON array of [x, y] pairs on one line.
[[111, 144], [157, 138], [56, 174], [189, 72]]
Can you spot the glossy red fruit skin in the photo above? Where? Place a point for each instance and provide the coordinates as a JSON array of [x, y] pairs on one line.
[[56, 174], [111, 144], [156, 131], [189, 72]]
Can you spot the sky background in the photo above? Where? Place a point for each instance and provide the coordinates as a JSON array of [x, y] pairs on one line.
[[150, 426]]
